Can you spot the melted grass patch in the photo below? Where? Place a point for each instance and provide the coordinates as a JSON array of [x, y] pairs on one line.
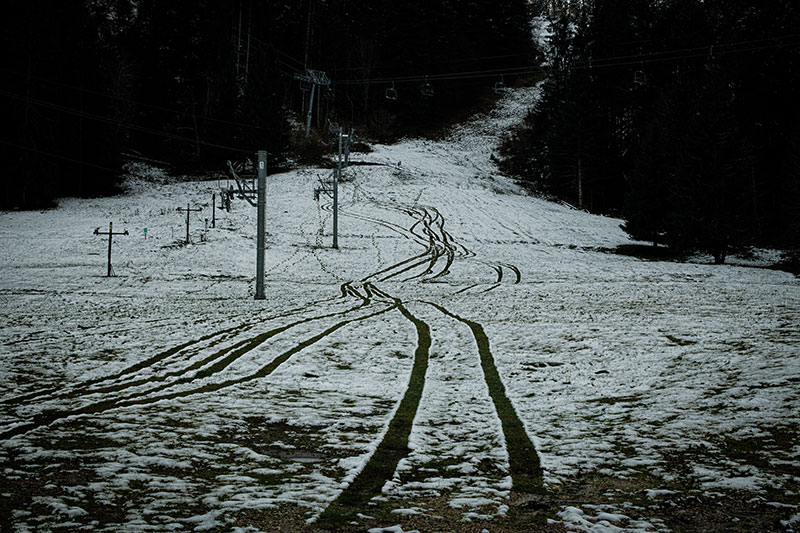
[[280, 519], [280, 439], [436, 514], [23, 483], [772, 451], [681, 508]]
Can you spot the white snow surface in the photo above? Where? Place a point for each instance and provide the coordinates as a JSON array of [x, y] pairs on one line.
[[616, 366]]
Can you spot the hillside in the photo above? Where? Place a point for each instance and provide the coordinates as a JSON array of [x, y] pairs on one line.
[[541, 381]]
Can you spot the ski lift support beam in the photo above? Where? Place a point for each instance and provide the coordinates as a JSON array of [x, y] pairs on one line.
[[314, 77], [246, 191]]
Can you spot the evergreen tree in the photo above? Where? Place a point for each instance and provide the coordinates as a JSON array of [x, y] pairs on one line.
[[58, 139], [689, 109]]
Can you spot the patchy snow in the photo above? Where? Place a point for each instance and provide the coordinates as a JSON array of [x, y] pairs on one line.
[[575, 519], [166, 397], [391, 529]]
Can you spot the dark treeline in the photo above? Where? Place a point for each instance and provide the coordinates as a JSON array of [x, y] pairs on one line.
[[57, 137], [91, 83], [680, 116]]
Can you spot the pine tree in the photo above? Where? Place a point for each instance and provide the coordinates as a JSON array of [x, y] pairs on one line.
[[58, 137]]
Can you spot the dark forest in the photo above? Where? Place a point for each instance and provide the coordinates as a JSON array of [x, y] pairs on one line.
[[191, 84], [679, 117]]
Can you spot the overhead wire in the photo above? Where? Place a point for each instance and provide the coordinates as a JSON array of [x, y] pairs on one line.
[[58, 156], [280, 52], [685, 54], [785, 41], [720, 49], [114, 122], [448, 61], [128, 100]]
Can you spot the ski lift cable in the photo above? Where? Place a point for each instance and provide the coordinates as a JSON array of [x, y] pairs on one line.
[[127, 100], [522, 54], [437, 77], [607, 62], [273, 47], [450, 61], [633, 61], [702, 53], [640, 55], [108, 120], [57, 156]]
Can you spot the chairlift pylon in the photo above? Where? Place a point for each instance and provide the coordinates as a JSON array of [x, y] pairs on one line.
[[391, 93], [426, 89]]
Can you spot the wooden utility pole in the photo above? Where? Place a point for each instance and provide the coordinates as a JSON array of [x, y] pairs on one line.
[[110, 234], [189, 211]]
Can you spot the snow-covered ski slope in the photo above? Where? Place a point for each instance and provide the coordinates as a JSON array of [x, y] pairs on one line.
[[166, 398]]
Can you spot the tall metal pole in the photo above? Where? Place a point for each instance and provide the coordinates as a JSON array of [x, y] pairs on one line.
[[262, 222], [336, 195], [110, 236]]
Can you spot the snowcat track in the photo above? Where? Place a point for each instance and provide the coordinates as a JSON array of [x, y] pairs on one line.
[[394, 445], [44, 419], [524, 464]]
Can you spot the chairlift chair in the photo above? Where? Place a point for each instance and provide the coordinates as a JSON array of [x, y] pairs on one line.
[[639, 78], [426, 89], [711, 61], [391, 93], [500, 86]]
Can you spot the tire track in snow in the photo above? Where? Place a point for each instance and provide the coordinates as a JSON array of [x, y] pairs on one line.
[[394, 445], [224, 358], [433, 237], [524, 464], [44, 419], [436, 240], [87, 387]]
